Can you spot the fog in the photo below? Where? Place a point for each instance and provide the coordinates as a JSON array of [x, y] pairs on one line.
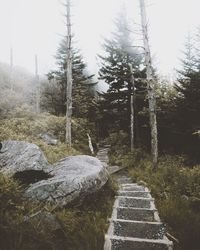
[[37, 26]]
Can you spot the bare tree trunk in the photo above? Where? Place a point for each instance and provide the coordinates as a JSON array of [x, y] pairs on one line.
[[150, 87], [132, 118], [11, 69], [37, 82], [69, 77], [90, 144]]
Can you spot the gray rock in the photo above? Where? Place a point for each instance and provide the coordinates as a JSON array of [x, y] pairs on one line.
[[19, 156], [73, 179], [43, 219], [49, 138]]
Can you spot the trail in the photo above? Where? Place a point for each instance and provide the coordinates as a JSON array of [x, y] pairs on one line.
[[135, 223]]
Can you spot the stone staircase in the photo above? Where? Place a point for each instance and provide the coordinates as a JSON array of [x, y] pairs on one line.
[[135, 223], [102, 155]]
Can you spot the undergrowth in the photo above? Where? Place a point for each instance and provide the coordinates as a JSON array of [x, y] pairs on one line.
[[176, 189], [83, 227], [26, 126]]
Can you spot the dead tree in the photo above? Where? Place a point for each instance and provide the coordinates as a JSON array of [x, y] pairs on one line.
[[69, 76], [37, 83], [132, 103], [11, 70], [90, 144], [150, 86]]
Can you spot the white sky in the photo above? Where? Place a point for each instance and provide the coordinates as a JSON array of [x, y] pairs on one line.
[[36, 26]]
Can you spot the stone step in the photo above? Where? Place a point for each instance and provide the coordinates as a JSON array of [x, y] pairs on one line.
[[124, 180], [114, 169], [138, 229], [143, 194], [138, 214], [103, 159], [102, 153], [128, 243], [124, 177], [102, 156], [132, 187], [134, 202]]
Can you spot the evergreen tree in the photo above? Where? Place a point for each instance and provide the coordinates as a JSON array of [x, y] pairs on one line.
[[115, 71], [83, 85], [189, 61], [186, 118], [188, 89]]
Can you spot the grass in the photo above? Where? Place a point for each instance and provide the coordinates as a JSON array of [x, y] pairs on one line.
[[82, 228], [176, 189], [29, 127]]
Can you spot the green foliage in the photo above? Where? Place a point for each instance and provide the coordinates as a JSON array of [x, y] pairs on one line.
[[80, 128], [115, 71], [177, 192], [178, 107], [89, 223], [28, 127], [83, 228], [14, 232], [120, 153], [54, 92]]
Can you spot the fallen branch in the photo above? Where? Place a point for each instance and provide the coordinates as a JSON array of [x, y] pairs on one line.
[[172, 238]]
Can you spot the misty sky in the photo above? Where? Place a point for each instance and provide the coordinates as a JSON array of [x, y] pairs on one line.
[[37, 26]]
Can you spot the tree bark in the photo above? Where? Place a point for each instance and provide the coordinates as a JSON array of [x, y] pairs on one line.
[[69, 78], [11, 70], [150, 87], [132, 102], [90, 144], [37, 83]]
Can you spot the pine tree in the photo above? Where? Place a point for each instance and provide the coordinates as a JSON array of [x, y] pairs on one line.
[[189, 61], [188, 89], [115, 71], [186, 117], [83, 84]]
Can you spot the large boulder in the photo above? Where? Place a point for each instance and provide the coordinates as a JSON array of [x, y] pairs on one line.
[[44, 220], [18, 156], [70, 180], [73, 179]]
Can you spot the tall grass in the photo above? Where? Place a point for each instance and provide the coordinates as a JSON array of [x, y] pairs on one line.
[[176, 189], [82, 228]]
